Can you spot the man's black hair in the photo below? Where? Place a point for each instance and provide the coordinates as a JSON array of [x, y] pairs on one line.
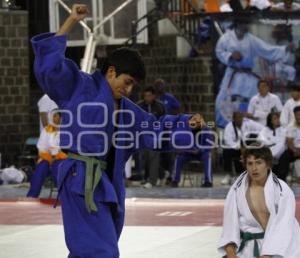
[[263, 81], [296, 109], [259, 152], [127, 61], [294, 86], [150, 89]]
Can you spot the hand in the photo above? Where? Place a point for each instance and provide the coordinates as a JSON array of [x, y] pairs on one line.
[[197, 121], [237, 56], [79, 12], [290, 47]]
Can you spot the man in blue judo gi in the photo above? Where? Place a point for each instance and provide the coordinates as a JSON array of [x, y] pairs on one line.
[[202, 154], [100, 129]]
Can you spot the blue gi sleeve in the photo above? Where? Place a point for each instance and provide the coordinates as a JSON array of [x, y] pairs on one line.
[[167, 133], [57, 75]]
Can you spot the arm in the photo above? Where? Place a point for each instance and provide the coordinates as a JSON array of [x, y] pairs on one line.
[[222, 52], [58, 76], [79, 12], [43, 147], [230, 238], [167, 133], [267, 51], [44, 118], [280, 229], [284, 115], [230, 138], [278, 104], [279, 146], [230, 250]]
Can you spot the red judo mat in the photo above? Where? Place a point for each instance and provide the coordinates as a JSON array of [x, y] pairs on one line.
[[139, 212]]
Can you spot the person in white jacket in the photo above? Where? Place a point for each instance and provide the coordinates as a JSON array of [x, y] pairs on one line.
[[274, 135], [259, 213], [287, 114], [237, 134], [263, 103]]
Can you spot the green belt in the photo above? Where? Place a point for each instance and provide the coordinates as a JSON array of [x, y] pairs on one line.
[[92, 178], [246, 236]]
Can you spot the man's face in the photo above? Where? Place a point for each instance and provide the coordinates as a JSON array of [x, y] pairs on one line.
[[241, 30], [263, 88], [275, 121], [257, 169], [238, 119], [297, 117], [121, 85], [288, 4], [56, 119], [295, 94], [149, 97]]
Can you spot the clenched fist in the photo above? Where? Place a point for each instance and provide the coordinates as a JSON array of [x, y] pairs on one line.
[[197, 121], [79, 11]]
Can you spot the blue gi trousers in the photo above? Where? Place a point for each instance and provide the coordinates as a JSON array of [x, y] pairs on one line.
[[42, 171], [87, 235], [185, 157]]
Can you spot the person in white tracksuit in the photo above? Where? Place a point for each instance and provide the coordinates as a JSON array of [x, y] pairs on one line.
[[259, 213]]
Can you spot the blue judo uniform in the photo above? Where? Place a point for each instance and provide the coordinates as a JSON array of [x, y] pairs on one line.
[[88, 130], [203, 154], [42, 170]]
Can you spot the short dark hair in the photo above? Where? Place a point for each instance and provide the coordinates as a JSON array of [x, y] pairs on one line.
[[127, 61], [269, 119], [263, 81], [296, 109], [150, 89], [259, 151], [294, 86]]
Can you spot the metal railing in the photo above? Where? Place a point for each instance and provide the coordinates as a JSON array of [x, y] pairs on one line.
[[89, 52]]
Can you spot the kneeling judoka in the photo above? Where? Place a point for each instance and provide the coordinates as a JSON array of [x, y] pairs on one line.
[[259, 213]]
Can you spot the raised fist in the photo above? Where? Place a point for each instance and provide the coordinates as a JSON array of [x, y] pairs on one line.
[[79, 11]]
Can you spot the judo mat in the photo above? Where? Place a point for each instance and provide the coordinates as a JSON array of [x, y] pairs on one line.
[[159, 228]]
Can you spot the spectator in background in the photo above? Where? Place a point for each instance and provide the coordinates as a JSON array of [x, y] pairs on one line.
[[258, 5], [45, 106], [237, 134], [49, 156], [225, 7], [287, 114], [172, 107], [293, 146], [238, 49], [150, 158], [286, 5], [263, 103], [203, 154], [274, 136]]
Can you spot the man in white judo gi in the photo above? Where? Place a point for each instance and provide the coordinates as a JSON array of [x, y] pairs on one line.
[[259, 213], [238, 49]]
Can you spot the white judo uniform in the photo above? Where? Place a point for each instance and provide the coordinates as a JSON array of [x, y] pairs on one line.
[[276, 142], [239, 83], [260, 106], [49, 141], [282, 235]]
